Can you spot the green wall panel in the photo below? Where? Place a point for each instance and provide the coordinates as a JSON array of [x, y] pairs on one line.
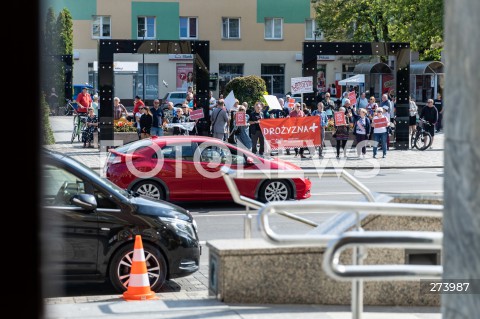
[[292, 11], [80, 9], [167, 18]]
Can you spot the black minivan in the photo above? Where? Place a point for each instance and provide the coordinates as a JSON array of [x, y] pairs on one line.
[[89, 227]]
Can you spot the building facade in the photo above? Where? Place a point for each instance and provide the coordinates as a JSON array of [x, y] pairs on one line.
[[249, 37]]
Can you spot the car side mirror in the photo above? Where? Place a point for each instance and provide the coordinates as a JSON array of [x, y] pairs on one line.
[[85, 201], [250, 161]]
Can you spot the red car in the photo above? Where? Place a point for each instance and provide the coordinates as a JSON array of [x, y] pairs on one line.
[[187, 168]]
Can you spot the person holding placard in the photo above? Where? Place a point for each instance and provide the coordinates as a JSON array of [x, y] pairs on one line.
[[342, 129], [380, 123], [361, 130], [241, 128]]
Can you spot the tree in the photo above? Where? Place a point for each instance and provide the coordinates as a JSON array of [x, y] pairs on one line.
[[49, 51], [248, 89], [47, 137], [64, 35], [419, 22]]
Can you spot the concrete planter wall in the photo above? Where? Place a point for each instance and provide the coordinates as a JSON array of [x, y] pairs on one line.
[[257, 271], [126, 137]]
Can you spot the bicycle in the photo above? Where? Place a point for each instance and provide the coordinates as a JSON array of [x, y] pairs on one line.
[[421, 139], [67, 110], [79, 125]]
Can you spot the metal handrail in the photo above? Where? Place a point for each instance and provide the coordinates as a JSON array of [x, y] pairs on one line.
[[389, 209], [391, 239], [229, 174]]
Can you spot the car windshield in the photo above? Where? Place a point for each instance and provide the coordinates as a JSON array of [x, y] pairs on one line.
[[134, 146], [104, 183]]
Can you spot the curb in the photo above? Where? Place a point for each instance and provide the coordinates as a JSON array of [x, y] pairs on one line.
[[386, 167]]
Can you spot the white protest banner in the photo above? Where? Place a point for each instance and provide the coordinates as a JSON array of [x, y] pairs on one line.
[[230, 101], [302, 85], [184, 125], [272, 102]]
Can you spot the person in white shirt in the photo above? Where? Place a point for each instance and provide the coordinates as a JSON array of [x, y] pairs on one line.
[[380, 133], [212, 103]]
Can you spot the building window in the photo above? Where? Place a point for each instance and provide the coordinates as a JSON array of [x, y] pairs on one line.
[[188, 28], [151, 80], [228, 72], [101, 27], [273, 28], [230, 28], [310, 29], [274, 77], [147, 24]]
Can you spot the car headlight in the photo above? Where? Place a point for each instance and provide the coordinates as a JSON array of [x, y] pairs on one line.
[[181, 226]]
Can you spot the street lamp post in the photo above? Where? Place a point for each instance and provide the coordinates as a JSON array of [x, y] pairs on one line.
[[143, 68]]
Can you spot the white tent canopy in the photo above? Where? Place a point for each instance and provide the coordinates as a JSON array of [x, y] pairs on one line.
[[356, 79]]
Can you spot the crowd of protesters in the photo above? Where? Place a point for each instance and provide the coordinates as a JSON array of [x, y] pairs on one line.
[[219, 122]]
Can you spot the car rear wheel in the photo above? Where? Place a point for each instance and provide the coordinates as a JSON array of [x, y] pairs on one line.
[[275, 190], [121, 265], [150, 189]]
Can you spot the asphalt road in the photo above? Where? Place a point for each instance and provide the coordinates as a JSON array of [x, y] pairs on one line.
[[226, 220]]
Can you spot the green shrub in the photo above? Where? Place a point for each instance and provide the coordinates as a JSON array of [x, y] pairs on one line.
[[47, 131], [248, 89]]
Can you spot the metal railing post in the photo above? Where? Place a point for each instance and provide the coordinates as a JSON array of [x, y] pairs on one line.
[[357, 284], [247, 223]]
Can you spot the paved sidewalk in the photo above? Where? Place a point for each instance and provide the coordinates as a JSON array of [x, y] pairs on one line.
[[115, 307]]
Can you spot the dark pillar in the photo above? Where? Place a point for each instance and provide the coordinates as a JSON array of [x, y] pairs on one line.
[[461, 222], [402, 69], [201, 72], [67, 60], [105, 85]]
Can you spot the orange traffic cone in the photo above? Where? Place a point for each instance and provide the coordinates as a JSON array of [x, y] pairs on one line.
[[138, 285]]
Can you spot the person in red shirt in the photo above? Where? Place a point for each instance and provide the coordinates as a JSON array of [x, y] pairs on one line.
[[84, 101], [138, 103]]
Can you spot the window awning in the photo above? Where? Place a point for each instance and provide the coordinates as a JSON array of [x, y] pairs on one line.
[[356, 79], [368, 68], [426, 67]]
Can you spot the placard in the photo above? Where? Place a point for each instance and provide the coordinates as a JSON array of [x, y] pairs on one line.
[[291, 103], [380, 122], [196, 114], [340, 118], [352, 96], [302, 85], [240, 119]]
